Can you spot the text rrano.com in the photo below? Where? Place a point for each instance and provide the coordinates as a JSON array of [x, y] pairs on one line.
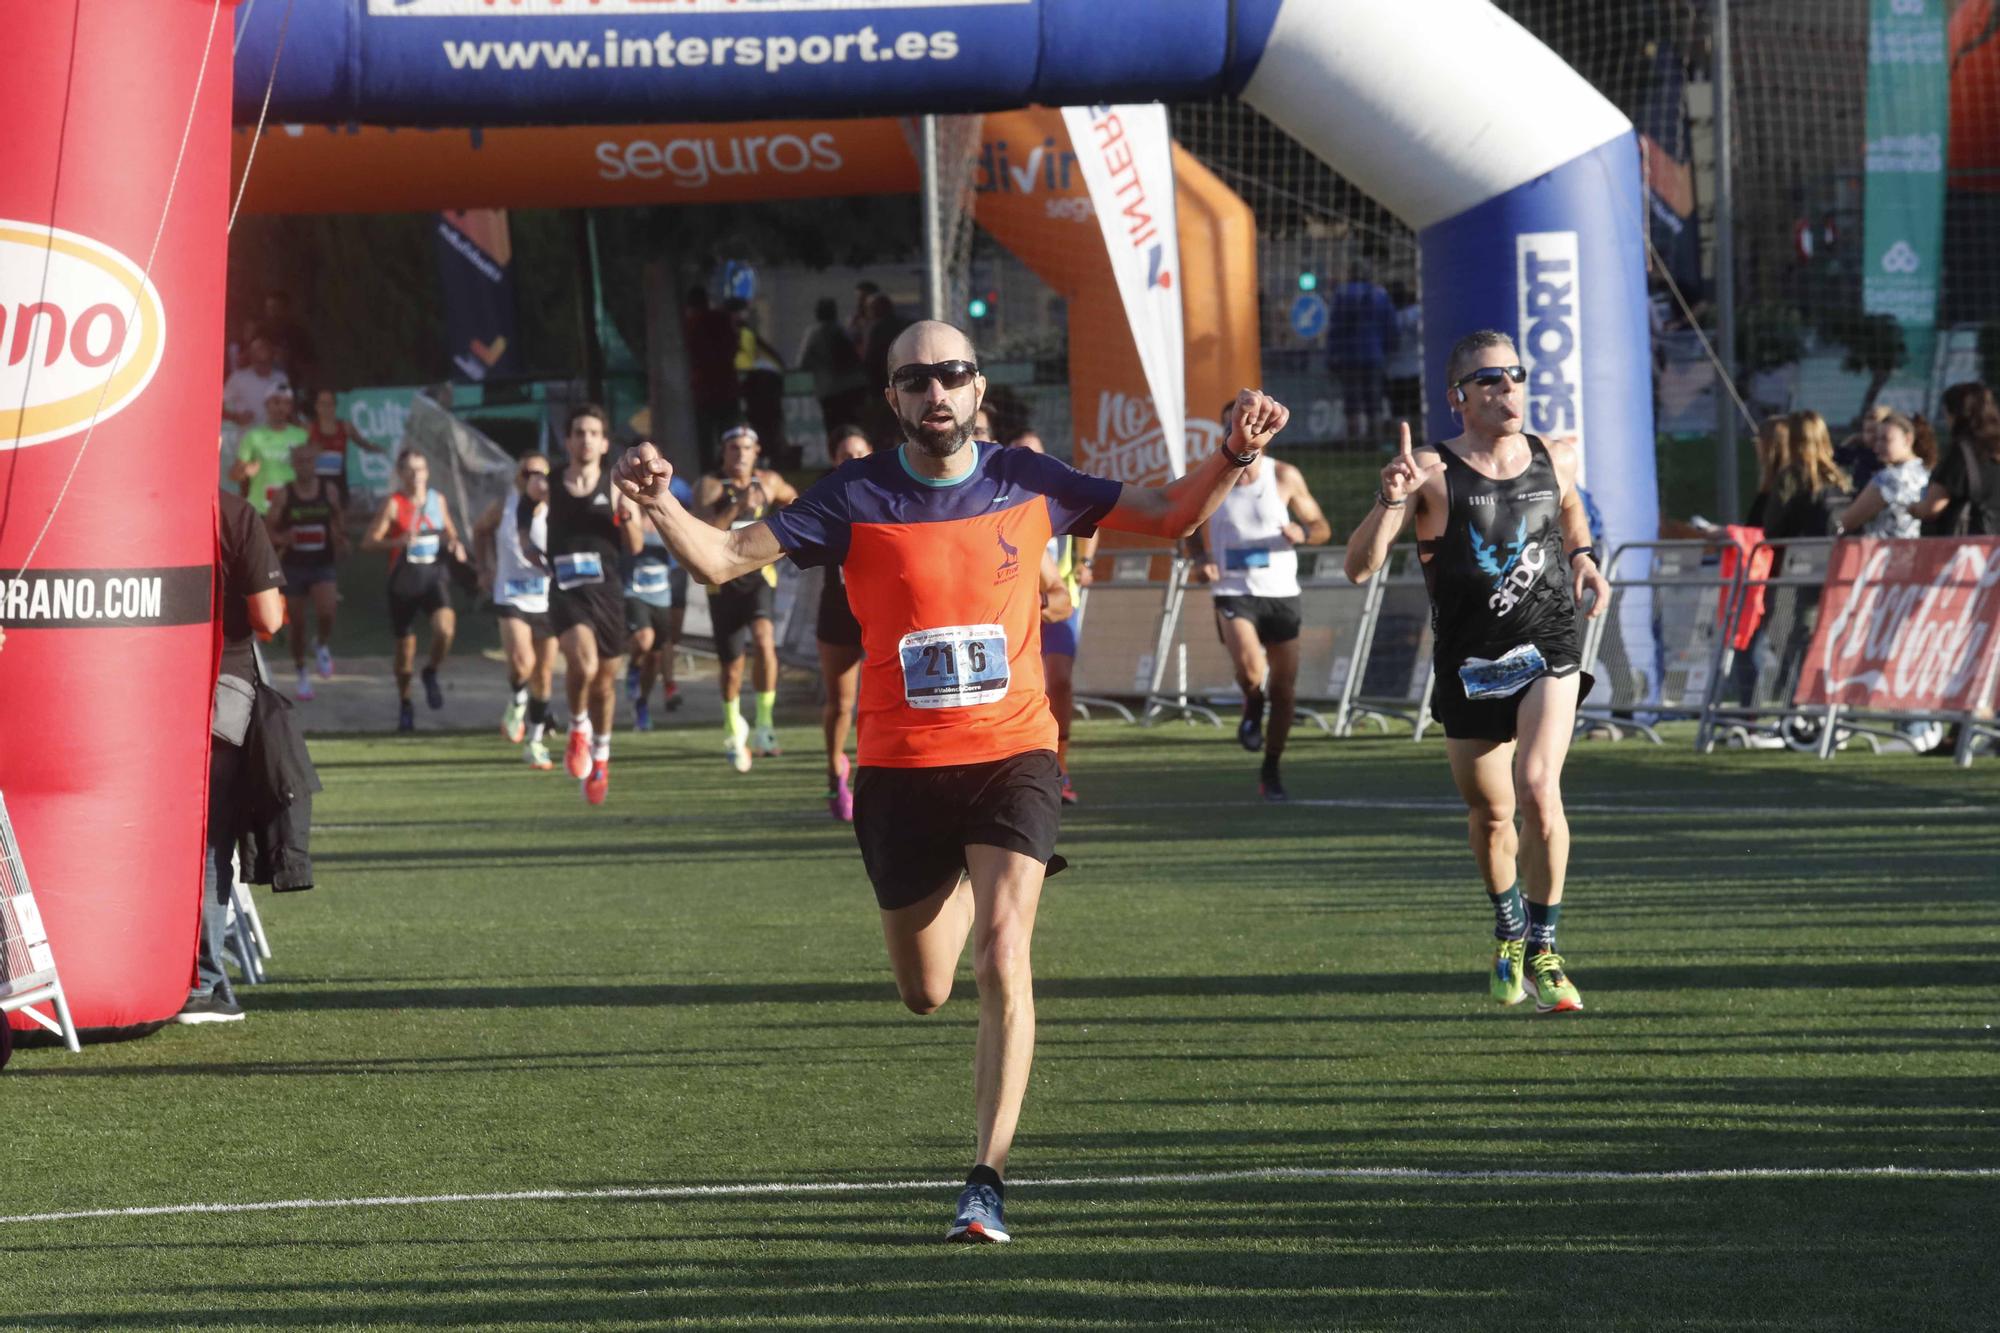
[[665, 51]]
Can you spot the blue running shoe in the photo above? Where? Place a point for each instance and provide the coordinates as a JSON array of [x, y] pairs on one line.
[[980, 1217], [632, 682], [406, 717], [433, 693], [642, 716], [1250, 733]]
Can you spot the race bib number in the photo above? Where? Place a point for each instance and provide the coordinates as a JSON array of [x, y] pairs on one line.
[[954, 667], [524, 590], [575, 571], [1511, 674], [1241, 558], [648, 577], [309, 538], [331, 464], [423, 548]]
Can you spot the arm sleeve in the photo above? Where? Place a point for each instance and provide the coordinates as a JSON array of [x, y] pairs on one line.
[[249, 561], [1077, 500], [814, 528]]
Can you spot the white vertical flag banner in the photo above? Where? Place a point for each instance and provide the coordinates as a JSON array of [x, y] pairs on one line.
[[1126, 155]]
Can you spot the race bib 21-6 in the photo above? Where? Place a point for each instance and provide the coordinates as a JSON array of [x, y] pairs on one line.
[[956, 666]]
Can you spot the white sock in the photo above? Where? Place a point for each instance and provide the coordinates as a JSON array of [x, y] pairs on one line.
[[600, 750], [521, 696], [535, 732], [580, 724]]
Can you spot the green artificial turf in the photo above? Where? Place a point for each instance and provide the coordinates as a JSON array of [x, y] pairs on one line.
[[1787, 964]]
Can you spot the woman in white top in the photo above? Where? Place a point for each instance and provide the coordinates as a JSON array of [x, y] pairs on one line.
[[1908, 452]]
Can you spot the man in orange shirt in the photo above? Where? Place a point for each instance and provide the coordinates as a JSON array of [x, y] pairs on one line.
[[956, 800]]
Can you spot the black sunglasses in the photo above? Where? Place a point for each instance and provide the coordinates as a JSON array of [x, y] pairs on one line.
[[949, 374], [1488, 376]]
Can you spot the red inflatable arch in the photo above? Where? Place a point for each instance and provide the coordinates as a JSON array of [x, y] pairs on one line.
[[111, 287]]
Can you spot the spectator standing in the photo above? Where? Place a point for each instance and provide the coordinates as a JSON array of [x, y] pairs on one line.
[[1774, 450], [885, 325], [828, 352], [1361, 331], [1810, 491], [1905, 452], [710, 337], [1963, 499], [857, 323], [1403, 372], [248, 597], [1859, 454], [290, 343], [760, 375], [245, 392]]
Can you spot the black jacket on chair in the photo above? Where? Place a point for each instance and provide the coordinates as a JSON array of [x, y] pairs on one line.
[[277, 784]]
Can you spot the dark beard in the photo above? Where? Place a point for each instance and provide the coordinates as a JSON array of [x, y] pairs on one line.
[[937, 442]]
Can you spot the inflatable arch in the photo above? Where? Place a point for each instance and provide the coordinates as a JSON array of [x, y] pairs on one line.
[[1522, 182]]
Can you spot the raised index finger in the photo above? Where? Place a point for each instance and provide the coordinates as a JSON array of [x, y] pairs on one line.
[[1404, 426]]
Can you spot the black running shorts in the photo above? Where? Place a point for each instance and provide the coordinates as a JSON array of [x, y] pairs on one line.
[[598, 606], [914, 824], [732, 607], [536, 621], [641, 614], [413, 597], [1276, 618], [836, 622], [1497, 720]]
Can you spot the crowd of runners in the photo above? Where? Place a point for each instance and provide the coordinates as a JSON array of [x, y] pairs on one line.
[[947, 628]]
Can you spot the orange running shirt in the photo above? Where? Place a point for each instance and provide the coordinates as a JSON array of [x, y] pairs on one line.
[[946, 583]]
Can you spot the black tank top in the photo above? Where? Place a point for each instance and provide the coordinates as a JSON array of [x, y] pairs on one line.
[[1498, 577], [588, 523], [311, 524]]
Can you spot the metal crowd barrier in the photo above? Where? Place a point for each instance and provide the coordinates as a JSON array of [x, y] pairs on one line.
[[1393, 652], [1691, 602], [1752, 691], [1768, 682], [1118, 652]]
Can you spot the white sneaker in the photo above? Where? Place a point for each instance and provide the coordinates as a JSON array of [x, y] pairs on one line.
[[305, 692], [323, 655], [766, 742], [736, 749]]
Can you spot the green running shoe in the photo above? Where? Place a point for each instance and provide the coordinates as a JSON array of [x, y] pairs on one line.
[[1555, 993], [1506, 974]]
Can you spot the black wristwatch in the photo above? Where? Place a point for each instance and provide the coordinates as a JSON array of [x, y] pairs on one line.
[[1235, 459], [1590, 551]]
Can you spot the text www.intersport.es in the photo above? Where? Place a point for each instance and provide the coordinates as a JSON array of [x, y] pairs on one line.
[[665, 51]]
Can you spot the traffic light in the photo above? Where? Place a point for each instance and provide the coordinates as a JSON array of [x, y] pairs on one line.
[[977, 307], [1308, 281]]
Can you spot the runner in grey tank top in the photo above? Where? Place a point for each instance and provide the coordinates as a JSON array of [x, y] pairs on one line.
[[1502, 531]]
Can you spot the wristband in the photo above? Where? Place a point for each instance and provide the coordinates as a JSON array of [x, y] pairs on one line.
[[1590, 551], [1381, 498]]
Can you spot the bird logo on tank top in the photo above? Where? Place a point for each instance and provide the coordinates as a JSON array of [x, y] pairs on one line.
[[1514, 575]]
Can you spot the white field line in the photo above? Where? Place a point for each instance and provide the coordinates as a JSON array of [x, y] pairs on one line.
[[789, 1189]]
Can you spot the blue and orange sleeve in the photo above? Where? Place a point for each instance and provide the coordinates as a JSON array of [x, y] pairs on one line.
[[814, 529], [1077, 500]]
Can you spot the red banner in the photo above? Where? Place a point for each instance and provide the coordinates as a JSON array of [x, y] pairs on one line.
[[1909, 626]]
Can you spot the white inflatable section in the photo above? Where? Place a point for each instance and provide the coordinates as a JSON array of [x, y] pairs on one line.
[[1430, 106]]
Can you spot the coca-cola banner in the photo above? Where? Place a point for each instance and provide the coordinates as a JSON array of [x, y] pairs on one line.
[[1907, 626]]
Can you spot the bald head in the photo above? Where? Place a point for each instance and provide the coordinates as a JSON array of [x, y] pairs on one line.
[[929, 341]]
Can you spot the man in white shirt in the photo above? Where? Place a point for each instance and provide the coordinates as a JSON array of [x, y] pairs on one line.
[[245, 392]]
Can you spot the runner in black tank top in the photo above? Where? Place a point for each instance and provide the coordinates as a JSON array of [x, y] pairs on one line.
[[1506, 549], [587, 533], [307, 526]]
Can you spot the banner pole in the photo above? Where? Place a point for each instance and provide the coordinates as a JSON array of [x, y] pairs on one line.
[[934, 257]]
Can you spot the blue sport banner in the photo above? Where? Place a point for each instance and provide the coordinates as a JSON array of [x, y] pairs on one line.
[[1909, 112]]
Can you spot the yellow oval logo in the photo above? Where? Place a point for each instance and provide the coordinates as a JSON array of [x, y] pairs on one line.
[[81, 333]]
